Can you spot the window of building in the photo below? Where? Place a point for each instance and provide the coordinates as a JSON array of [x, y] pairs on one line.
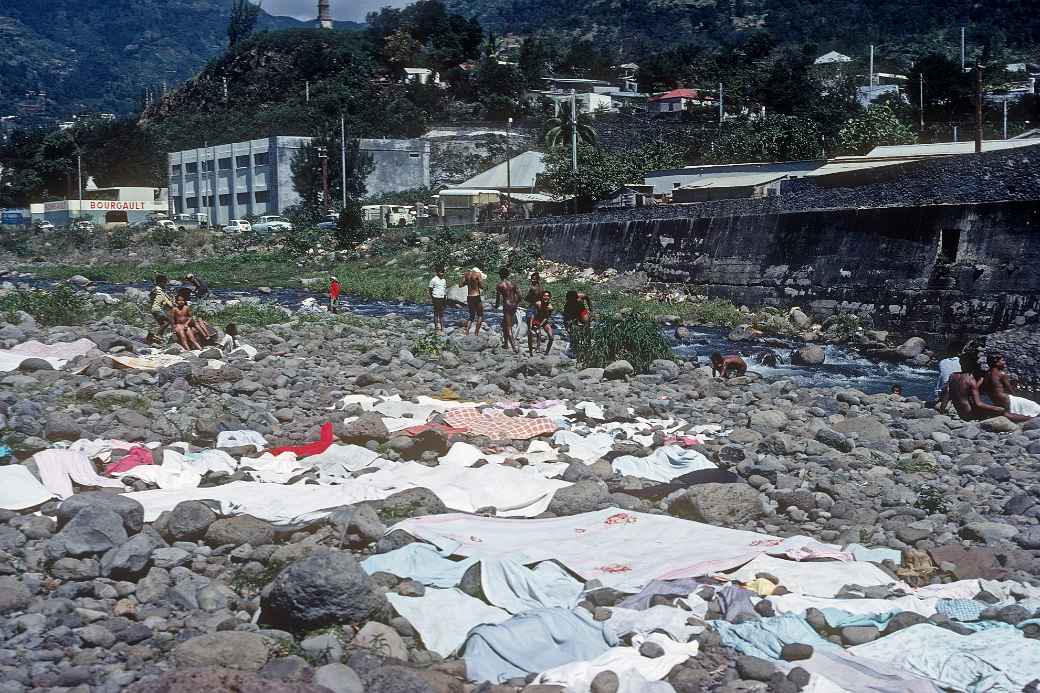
[[175, 170], [191, 167], [207, 166], [414, 155], [191, 202], [949, 240], [261, 197], [242, 161], [225, 200], [242, 198], [260, 159], [224, 164]]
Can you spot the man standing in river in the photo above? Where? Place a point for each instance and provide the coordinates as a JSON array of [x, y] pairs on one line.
[[473, 280], [508, 296]]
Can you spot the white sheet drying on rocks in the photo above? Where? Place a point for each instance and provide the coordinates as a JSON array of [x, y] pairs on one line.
[[420, 562], [443, 617], [517, 588], [587, 448], [799, 604], [512, 492], [634, 670], [237, 439], [101, 448], [19, 489], [182, 471], [998, 660], [665, 464], [622, 549], [55, 354], [816, 579], [59, 468]]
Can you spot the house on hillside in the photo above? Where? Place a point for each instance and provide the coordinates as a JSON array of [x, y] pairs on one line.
[[511, 185], [832, 58], [421, 75], [679, 100]]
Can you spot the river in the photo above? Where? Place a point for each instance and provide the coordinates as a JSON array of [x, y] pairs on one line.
[[842, 368]]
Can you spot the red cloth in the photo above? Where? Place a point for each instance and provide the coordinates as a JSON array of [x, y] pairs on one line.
[[334, 289], [315, 448], [134, 457]]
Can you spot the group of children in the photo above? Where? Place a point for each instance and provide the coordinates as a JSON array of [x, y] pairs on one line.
[[191, 332], [577, 312]]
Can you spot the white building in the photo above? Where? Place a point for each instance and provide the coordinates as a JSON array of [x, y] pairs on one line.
[[231, 181], [104, 206], [421, 75]]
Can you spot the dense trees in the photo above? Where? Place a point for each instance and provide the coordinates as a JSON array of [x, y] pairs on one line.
[[242, 23], [877, 126]]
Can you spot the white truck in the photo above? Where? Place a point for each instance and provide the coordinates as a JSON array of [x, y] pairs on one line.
[[272, 223]]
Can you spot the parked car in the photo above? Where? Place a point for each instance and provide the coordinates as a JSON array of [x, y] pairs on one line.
[[389, 215], [238, 226], [82, 225], [196, 220], [272, 223], [44, 226], [328, 223]]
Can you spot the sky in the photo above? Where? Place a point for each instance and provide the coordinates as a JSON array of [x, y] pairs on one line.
[[341, 9]]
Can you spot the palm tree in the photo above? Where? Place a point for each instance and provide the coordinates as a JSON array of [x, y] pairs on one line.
[[558, 129]]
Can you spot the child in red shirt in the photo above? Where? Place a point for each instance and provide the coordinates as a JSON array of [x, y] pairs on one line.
[[334, 289]]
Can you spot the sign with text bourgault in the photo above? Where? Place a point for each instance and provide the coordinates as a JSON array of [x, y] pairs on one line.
[[122, 205]]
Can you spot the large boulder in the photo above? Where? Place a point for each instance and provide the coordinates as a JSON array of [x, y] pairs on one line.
[[131, 512], [719, 504], [866, 428], [397, 679], [220, 680], [618, 369], [14, 595], [238, 530], [412, 502], [741, 333], [911, 348], [62, 427], [580, 497], [188, 521], [94, 529], [129, 559], [327, 588], [233, 649], [809, 355], [366, 427], [364, 527]]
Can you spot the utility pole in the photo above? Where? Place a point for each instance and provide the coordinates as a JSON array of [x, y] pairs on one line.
[[978, 108], [722, 113], [871, 82], [343, 157], [920, 97], [955, 140], [307, 91], [323, 154], [79, 175], [509, 173], [962, 49], [574, 133], [1005, 117]]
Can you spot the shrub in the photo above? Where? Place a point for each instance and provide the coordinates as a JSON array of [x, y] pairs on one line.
[[59, 306], [484, 253], [717, 312], [120, 239], [433, 344], [524, 258], [260, 315], [632, 337]]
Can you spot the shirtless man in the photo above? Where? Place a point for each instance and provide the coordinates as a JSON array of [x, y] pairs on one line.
[[1001, 392], [474, 283], [727, 366], [534, 294], [507, 296], [963, 390], [182, 320]]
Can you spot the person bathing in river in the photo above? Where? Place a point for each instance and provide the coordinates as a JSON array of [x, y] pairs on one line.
[[541, 320], [182, 324], [508, 296], [473, 281], [727, 366], [997, 386], [577, 312], [963, 389]]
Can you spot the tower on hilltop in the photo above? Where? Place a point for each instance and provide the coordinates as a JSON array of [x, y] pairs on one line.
[[324, 16]]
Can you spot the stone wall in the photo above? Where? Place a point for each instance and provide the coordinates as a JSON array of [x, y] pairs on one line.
[[929, 270], [397, 165]]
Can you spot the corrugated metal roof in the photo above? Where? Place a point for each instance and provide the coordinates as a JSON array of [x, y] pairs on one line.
[[734, 180], [523, 173], [832, 57], [948, 148]]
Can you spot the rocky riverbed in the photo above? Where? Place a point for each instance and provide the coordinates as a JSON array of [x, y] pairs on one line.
[[133, 587]]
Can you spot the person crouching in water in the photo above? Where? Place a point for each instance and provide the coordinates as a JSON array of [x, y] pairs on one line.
[[727, 366]]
